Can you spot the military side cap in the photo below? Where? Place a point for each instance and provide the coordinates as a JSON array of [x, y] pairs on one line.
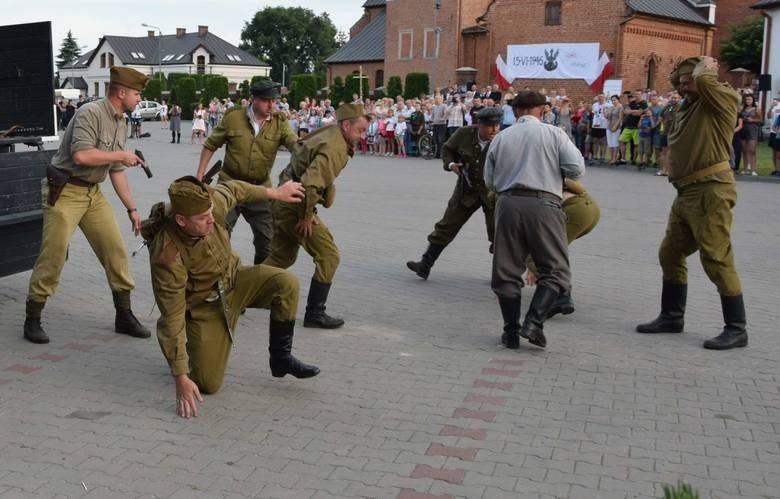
[[189, 196], [527, 99], [350, 111], [266, 89], [684, 67], [128, 77], [489, 116]]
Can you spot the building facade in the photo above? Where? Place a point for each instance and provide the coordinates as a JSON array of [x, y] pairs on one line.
[[770, 10], [199, 52]]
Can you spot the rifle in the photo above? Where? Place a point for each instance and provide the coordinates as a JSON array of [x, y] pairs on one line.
[[209, 176], [147, 171]]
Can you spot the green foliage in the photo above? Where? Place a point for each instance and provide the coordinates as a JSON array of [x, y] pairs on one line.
[[185, 96], [291, 36], [353, 83], [681, 491], [416, 84], [69, 51], [379, 94], [152, 91], [173, 79], [302, 86], [256, 78], [743, 48], [337, 90], [394, 87], [215, 86], [244, 89]]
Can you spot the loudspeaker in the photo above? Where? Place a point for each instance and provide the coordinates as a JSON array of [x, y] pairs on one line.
[[764, 83]]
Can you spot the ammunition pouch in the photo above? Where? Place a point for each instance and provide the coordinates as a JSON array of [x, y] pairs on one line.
[[56, 179]]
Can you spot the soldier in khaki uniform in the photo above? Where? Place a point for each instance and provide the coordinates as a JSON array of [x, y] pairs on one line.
[[463, 153], [582, 216], [201, 287], [91, 149], [700, 219], [316, 162], [253, 135]]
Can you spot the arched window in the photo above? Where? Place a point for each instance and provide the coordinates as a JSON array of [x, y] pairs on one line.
[[651, 68], [201, 62], [379, 79]]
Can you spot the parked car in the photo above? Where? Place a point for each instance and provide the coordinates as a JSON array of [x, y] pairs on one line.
[[150, 110]]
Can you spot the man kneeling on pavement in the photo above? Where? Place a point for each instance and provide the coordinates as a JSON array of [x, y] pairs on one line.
[[201, 287]]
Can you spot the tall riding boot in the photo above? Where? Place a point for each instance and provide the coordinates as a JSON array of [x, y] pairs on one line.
[[279, 347], [315, 307], [734, 333], [178, 137], [563, 305], [423, 267], [125, 322], [533, 325], [671, 318], [510, 312], [173, 137], [33, 332]]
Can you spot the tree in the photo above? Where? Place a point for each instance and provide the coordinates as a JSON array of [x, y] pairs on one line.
[[291, 36], [337, 90], [341, 39], [743, 48], [416, 85], [353, 83], [69, 51], [394, 87]]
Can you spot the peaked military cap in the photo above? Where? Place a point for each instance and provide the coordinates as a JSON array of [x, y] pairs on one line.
[[489, 116], [266, 89], [189, 196], [128, 77]]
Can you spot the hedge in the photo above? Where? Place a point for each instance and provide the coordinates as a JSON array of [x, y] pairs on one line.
[[302, 86], [394, 87], [185, 96], [337, 91], [153, 90], [353, 83], [416, 85]]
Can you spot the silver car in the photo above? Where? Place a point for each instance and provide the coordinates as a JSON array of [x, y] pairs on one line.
[[150, 110]]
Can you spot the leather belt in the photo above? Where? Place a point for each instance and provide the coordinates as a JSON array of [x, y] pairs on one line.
[[531, 193], [237, 176], [80, 183]]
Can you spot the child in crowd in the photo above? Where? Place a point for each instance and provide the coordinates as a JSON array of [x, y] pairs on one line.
[[390, 133], [382, 138], [645, 138], [400, 132], [372, 135]]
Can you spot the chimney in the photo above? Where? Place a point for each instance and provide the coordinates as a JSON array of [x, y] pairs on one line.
[[202, 31], [150, 33], [180, 32]]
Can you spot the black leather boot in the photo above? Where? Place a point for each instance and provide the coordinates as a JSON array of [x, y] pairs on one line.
[[281, 360], [173, 137], [563, 305], [125, 322], [423, 267], [178, 138], [671, 318], [734, 333], [533, 325], [315, 308], [510, 311], [33, 331]]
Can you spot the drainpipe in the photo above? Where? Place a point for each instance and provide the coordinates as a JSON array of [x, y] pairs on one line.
[[766, 50]]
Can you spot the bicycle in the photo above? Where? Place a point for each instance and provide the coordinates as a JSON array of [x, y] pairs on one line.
[[426, 146]]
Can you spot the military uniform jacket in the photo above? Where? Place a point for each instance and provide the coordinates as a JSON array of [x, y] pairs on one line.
[[703, 129], [316, 161], [186, 271], [463, 147], [250, 157]]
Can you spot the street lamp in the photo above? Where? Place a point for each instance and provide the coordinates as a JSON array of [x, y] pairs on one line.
[[436, 31], [159, 49]]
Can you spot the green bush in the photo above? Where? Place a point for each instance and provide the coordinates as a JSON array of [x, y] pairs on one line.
[[244, 89], [353, 83], [152, 91], [216, 86], [255, 79], [185, 96], [337, 91], [681, 491], [394, 87], [379, 94], [302, 86], [416, 85], [173, 79]]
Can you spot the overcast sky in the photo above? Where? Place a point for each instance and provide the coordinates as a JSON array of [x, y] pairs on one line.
[[88, 20]]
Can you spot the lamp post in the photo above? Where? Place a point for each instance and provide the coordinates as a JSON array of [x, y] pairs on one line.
[[284, 70], [436, 31], [159, 49]]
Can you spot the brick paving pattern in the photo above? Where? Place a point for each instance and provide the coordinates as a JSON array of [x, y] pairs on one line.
[[417, 398]]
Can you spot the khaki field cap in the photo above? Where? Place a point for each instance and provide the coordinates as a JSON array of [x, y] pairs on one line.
[[129, 78], [528, 99], [189, 196], [685, 67], [350, 111]]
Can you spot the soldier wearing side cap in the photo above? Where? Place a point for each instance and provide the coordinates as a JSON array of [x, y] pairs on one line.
[[91, 149], [700, 218], [464, 154], [201, 287], [316, 161], [253, 135]]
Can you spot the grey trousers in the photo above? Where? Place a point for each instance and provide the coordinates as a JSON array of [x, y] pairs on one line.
[[261, 221], [529, 224]]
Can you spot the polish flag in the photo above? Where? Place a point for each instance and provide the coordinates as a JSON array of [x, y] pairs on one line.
[[500, 74], [606, 69]]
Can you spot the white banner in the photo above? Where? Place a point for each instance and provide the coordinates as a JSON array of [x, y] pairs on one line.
[[553, 60], [613, 87]]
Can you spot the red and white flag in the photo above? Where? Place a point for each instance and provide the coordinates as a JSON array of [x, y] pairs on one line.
[[606, 69], [500, 74]]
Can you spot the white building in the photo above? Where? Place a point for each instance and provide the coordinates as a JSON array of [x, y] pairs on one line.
[[770, 61], [193, 53]]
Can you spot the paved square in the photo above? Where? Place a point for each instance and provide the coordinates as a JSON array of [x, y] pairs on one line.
[[417, 398]]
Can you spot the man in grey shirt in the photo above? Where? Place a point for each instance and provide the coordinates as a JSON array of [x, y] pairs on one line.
[[525, 166], [439, 121]]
